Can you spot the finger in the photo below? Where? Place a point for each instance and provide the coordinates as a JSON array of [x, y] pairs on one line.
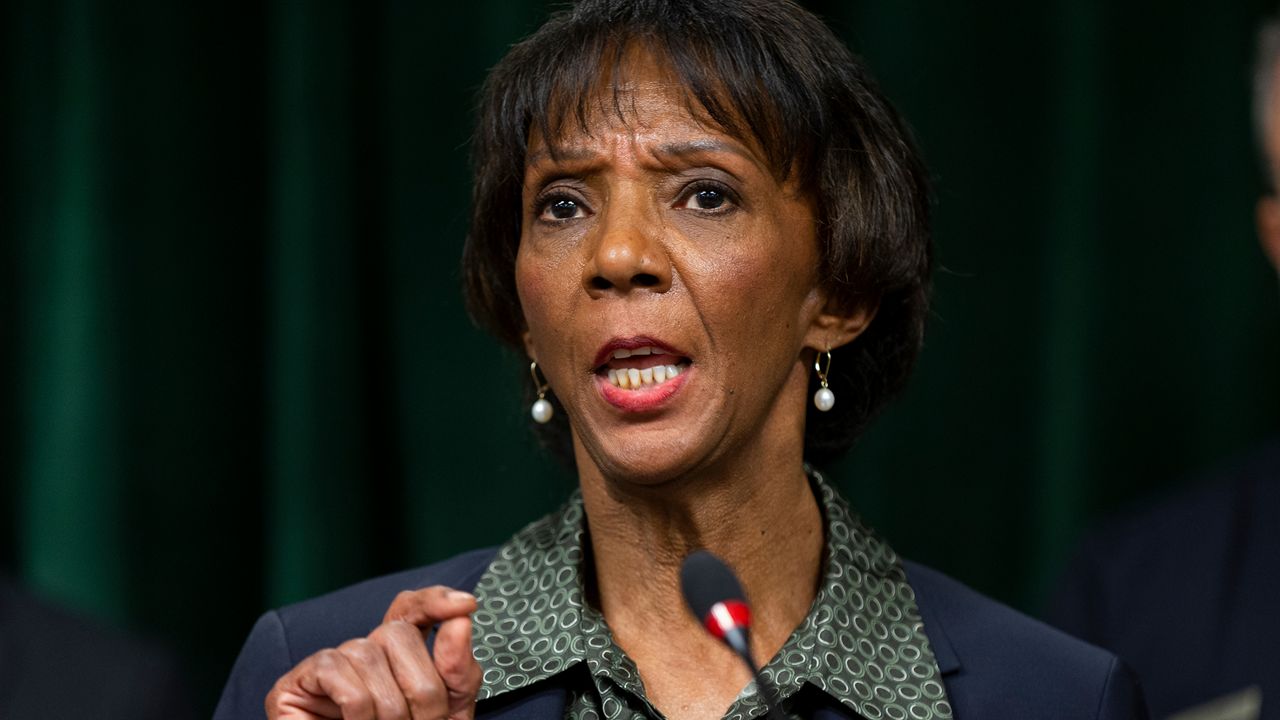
[[429, 606], [324, 685], [288, 706], [288, 701], [370, 662], [414, 671], [457, 666]]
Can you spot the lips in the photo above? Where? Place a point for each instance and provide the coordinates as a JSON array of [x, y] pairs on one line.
[[622, 348], [640, 373]]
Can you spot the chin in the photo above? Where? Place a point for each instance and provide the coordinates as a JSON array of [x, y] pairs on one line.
[[652, 460]]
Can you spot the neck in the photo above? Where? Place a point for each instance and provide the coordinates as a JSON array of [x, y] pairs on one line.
[[747, 501], [759, 517]]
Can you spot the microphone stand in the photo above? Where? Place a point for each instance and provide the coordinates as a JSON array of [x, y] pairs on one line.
[[737, 639], [767, 694], [715, 596]]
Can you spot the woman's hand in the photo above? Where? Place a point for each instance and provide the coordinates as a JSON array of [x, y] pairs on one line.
[[389, 675]]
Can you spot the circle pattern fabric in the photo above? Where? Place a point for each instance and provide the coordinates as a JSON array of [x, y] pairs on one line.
[[862, 643]]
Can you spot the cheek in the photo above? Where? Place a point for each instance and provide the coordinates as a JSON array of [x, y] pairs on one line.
[[761, 270], [530, 287], [537, 289], [765, 293]]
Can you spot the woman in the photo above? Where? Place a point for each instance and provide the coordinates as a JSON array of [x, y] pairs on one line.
[[709, 232]]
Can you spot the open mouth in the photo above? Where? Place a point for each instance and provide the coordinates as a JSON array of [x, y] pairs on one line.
[[642, 367]]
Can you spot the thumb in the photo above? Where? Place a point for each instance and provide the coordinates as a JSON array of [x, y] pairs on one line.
[[457, 666], [428, 606]]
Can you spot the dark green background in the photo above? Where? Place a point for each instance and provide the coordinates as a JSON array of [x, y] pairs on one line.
[[237, 371]]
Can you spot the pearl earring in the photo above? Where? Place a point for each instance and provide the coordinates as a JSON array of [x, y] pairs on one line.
[[542, 410], [824, 399]]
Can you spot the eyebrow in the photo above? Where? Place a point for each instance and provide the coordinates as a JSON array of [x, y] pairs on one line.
[[677, 149]]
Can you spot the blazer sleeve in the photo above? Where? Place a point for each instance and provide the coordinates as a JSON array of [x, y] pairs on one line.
[[263, 660], [1122, 697]]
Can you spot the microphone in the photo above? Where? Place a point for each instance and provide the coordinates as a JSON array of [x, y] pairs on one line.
[[715, 596]]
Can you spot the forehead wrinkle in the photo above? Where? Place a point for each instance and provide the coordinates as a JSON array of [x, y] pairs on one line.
[[562, 145], [559, 153], [629, 74], [641, 145], [596, 150], [621, 107], [690, 149], [619, 95]]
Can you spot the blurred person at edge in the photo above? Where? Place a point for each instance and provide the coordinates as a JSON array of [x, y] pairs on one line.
[[704, 224], [55, 664], [1188, 591]]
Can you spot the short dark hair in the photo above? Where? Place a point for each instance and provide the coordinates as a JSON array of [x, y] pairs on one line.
[[1265, 62], [764, 70]]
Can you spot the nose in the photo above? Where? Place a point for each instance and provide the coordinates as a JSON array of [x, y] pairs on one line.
[[629, 254]]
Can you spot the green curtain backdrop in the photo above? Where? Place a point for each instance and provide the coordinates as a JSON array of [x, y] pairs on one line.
[[237, 371]]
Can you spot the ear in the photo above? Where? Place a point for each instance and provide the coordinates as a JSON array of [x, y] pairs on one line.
[[837, 325], [1269, 228], [527, 339]]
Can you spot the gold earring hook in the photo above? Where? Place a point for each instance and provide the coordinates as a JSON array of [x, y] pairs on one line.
[[540, 385], [817, 366]]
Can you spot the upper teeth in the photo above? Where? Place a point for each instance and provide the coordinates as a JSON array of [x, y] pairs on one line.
[[624, 353], [635, 377]]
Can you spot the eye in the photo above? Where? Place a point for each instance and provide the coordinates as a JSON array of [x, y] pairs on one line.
[[561, 207], [708, 197]]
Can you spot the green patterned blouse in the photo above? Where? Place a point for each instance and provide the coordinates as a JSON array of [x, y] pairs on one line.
[[862, 644]]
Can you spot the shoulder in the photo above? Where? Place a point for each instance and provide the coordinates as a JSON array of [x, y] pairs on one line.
[[1220, 530], [41, 645], [999, 663], [354, 611], [1239, 492], [282, 638], [1183, 588]]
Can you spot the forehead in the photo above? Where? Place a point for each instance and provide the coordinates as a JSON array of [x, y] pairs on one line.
[[641, 100]]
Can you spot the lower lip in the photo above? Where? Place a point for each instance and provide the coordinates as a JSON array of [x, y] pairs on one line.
[[645, 399]]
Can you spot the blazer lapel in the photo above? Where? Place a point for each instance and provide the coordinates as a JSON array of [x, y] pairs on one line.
[[936, 631]]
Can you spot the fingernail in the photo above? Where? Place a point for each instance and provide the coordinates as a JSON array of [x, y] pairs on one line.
[[460, 596]]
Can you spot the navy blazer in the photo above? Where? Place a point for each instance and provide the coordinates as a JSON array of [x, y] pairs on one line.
[[997, 664], [55, 664], [1186, 589]]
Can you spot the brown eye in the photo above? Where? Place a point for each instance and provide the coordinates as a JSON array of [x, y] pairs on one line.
[[557, 204], [708, 199], [563, 209]]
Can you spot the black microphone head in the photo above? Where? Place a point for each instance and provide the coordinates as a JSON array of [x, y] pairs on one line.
[[705, 581]]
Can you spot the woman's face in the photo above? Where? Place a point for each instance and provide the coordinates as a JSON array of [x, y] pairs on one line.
[[660, 249]]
